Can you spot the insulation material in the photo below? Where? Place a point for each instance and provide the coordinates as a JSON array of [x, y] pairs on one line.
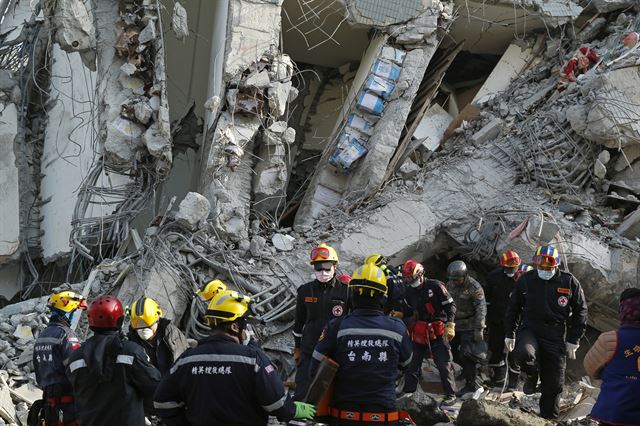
[[348, 153], [359, 123], [370, 103], [386, 70], [379, 86]]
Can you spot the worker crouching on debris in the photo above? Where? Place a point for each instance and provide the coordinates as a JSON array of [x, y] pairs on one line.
[[317, 302], [430, 317], [395, 298], [469, 348], [369, 347], [500, 284], [162, 341], [52, 347], [110, 376], [222, 381], [549, 311], [615, 358]]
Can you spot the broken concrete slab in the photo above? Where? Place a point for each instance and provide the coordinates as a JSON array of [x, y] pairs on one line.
[[271, 171], [616, 98], [282, 242], [432, 127], [74, 30], [193, 209], [490, 131], [606, 6], [630, 227], [279, 98], [408, 170], [259, 80], [7, 409], [179, 21], [510, 65], [599, 169], [628, 155], [254, 32], [257, 245], [488, 413]]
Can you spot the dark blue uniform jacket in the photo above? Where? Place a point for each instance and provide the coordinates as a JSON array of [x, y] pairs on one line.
[[369, 347], [222, 382]]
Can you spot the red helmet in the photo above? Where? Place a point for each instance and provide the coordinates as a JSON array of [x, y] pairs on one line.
[[510, 259], [345, 278], [411, 268], [105, 312]]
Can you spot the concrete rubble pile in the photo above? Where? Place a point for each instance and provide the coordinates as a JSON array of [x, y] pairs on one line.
[[362, 129]]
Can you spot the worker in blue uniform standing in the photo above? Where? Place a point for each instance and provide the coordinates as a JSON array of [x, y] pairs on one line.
[[317, 302], [430, 314], [52, 347], [222, 381], [549, 311], [369, 347]]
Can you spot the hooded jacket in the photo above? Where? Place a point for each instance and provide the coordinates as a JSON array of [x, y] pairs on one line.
[[110, 378], [164, 350]]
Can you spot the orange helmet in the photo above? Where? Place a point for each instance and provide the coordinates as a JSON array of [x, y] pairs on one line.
[[411, 268], [510, 259], [323, 253]]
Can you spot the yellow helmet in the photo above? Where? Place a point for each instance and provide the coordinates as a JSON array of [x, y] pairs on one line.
[[145, 312], [323, 253], [228, 306], [211, 289], [376, 259], [369, 277], [67, 301]]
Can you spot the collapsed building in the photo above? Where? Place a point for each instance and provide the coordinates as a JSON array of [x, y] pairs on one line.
[[152, 147]]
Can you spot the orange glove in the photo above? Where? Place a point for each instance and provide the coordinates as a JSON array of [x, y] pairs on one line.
[[449, 331], [396, 314], [296, 354]]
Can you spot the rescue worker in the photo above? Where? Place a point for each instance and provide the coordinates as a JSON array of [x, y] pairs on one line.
[[430, 317], [549, 311], [161, 340], [615, 358], [223, 382], [522, 269], [110, 376], [52, 347], [317, 302], [395, 298], [468, 345], [369, 347], [500, 284]]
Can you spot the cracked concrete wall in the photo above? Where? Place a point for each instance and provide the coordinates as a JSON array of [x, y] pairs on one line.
[[10, 199], [68, 152]]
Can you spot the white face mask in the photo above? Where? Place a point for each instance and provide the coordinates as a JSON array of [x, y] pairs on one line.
[[145, 333], [546, 275], [510, 274], [415, 284], [324, 276]]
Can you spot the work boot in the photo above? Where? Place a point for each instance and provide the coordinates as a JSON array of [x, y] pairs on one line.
[[469, 388], [530, 384], [448, 400], [499, 373], [514, 380]]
